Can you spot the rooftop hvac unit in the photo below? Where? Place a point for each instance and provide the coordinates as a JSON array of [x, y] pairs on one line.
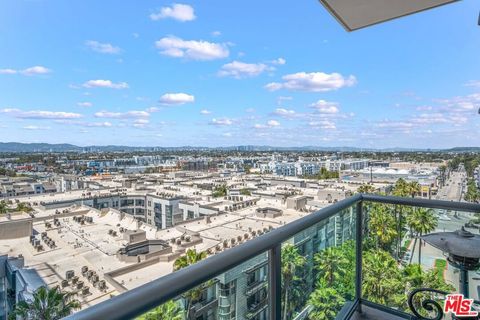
[[69, 274], [79, 284], [84, 270]]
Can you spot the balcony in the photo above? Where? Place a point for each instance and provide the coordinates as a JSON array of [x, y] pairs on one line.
[[377, 274]]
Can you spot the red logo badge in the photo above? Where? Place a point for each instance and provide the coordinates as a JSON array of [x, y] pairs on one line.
[[459, 306]]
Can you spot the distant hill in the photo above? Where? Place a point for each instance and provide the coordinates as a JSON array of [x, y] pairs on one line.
[[47, 147]]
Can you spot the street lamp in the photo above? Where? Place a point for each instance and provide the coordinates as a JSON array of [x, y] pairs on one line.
[[463, 250]]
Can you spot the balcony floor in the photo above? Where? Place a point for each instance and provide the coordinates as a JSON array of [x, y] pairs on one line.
[[369, 313]]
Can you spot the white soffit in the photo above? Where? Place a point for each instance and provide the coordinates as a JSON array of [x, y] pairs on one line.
[[356, 14]]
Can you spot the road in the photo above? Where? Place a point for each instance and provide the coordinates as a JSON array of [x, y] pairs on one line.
[[453, 189]]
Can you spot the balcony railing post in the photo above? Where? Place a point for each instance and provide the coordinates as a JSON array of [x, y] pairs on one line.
[[358, 256], [275, 282]]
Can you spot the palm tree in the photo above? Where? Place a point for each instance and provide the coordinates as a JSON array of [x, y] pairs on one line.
[[382, 226], [331, 264], [191, 257], [366, 188], [326, 302], [400, 188], [413, 188], [382, 282], [47, 304], [421, 221], [167, 311], [291, 262]]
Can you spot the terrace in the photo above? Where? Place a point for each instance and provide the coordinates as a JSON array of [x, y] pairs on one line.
[[346, 223]]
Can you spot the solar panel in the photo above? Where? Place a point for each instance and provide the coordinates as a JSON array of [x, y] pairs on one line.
[[356, 14]]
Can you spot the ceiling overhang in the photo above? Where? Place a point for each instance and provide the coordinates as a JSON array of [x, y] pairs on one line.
[[357, 14]]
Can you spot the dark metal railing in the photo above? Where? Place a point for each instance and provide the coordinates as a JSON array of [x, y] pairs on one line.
[[137, 301]]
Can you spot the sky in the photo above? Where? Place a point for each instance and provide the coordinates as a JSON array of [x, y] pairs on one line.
[[223, 73]]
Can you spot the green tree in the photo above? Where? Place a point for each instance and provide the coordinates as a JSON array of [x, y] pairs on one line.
[[366, 188], [291, 262], [245, 192], [191, 257], [382, 282], [413, 188], [47, 304], [326, 302], [401, 188], [421, 221], [23, 207], [220, 191], [3, 207], [382, 226], [167, 311]]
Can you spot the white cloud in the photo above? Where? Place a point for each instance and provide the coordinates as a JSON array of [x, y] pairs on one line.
[[36, 70], [205, 112], [176, 98], [31, 127], [324, 124], [279, 61], [141, 123], [273, 123], [312, 82], [282, 112], [40, 114], [85, 104], [8, 71], [105, 84], [269, 124], [221, 122], [473, 83], [238, 70], [227, 134], [180, 12], [216, 33], [105, 124], [102, 47], [327, 107], [122, 115], [191, 49]]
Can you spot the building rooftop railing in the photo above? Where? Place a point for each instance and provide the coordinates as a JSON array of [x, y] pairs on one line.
[[140, 300]]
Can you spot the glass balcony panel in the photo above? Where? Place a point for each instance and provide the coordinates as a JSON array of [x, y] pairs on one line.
[[225, 297], [318, 269], [396, 261]]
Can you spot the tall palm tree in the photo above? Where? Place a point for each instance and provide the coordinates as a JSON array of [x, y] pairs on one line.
[[382, 226], [326, 302], [421, 221], [291, 262], [47, 304], [382, 282], [331, 264], [413, 188], [191, 257], [167, 311], [401, 188]]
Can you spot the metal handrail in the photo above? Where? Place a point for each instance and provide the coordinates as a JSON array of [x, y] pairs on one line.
[[148, 296]]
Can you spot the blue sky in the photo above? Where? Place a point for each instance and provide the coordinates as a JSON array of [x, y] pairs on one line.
[[221, 73]]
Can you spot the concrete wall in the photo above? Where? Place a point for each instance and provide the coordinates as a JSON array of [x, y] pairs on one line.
[[16, 229]]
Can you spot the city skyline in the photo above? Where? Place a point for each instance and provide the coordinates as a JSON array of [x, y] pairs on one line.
[[173, 74]]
